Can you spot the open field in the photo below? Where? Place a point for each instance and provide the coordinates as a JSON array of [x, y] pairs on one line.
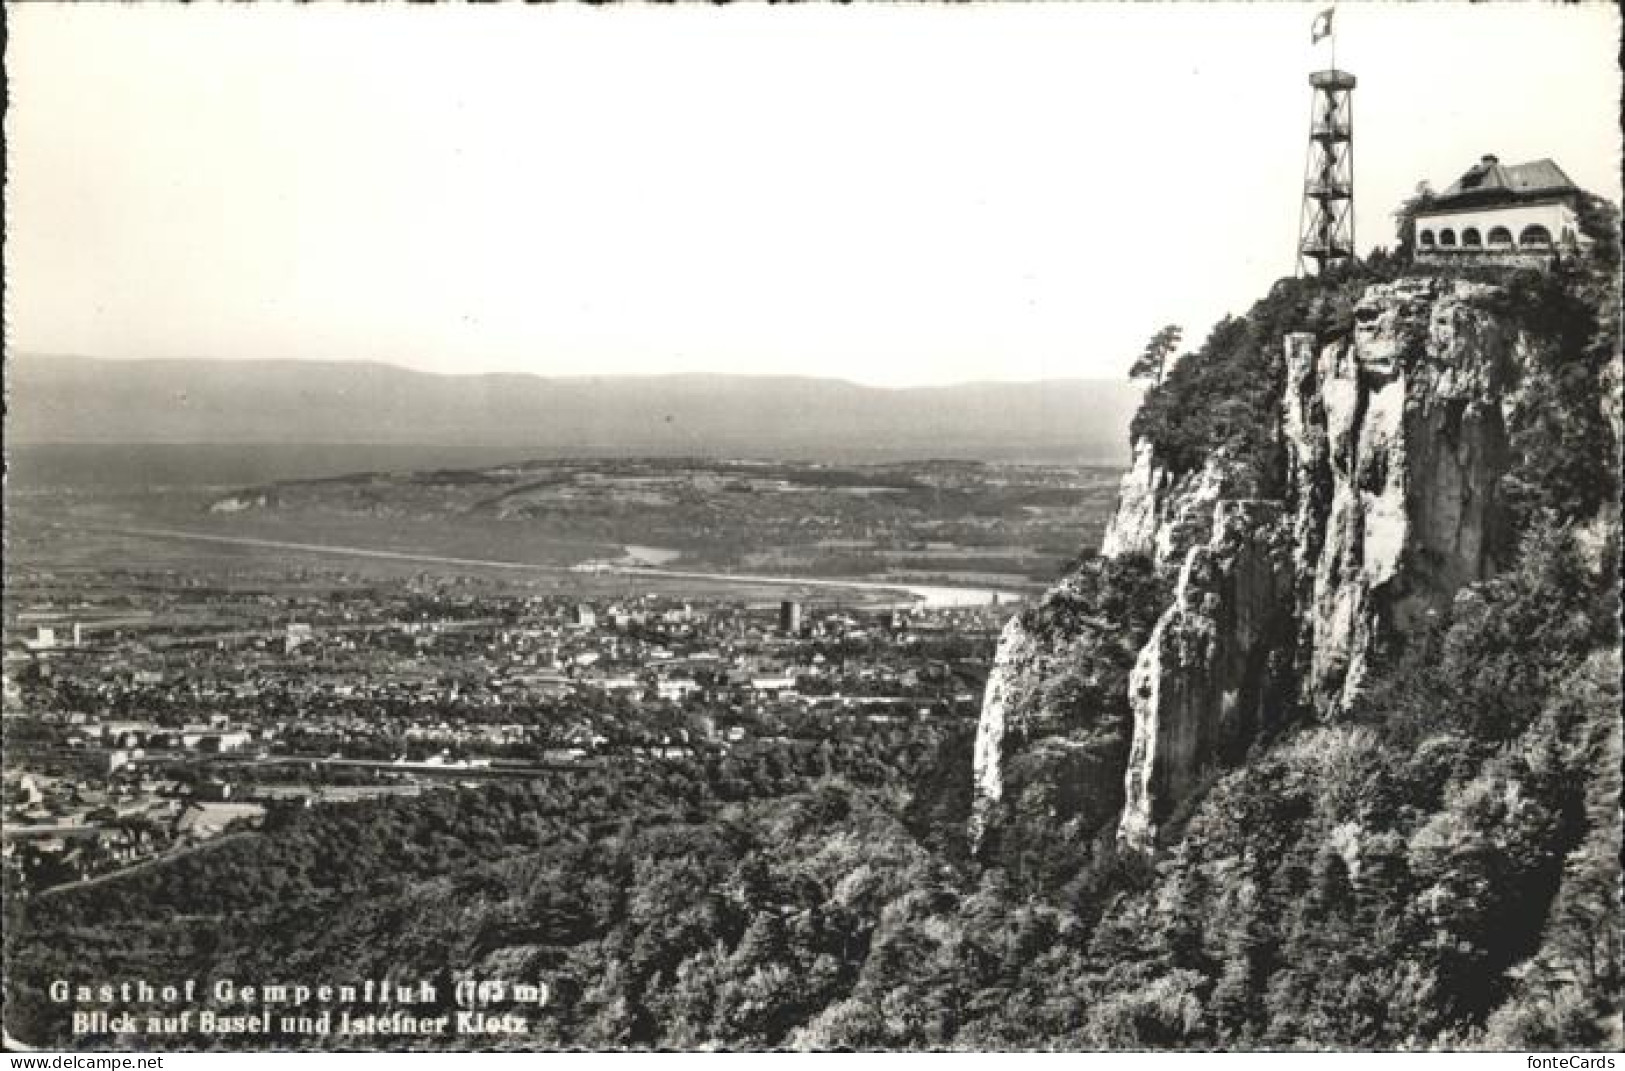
[[551, 525]]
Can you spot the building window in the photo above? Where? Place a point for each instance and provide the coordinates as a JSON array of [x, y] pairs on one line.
[[1426, 238], [1535, 235], [1500, 237], [1471, 237], [1447, 237]]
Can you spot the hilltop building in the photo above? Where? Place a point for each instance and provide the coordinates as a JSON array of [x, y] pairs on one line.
[[1502, 214]]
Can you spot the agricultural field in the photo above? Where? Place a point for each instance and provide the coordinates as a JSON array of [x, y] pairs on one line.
[[1002, 524]]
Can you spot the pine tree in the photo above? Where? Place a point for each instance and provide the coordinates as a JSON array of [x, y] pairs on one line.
[[1152, 364]]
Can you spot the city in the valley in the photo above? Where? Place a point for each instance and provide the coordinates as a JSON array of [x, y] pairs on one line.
[[191, 664]]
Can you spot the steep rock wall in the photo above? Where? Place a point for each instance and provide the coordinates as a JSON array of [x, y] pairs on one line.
[[1161, 514], [1054, 729], [1393, 440], [1204, 684], [1016, 673]]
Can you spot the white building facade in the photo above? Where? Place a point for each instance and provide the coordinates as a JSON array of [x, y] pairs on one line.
[[1522, 213]]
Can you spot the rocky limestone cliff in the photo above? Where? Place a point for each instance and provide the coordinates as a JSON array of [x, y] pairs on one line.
[[1016, 671], [1205, 683], [1163, 515], [1055, 724], [1393, 438]]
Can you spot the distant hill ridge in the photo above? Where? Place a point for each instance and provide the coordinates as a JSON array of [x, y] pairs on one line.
[[190, 400]]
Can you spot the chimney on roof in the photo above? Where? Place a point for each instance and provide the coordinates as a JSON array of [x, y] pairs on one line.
[[1489, 160]]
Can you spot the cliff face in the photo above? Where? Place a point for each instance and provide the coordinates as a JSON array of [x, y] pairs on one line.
[[1054, 730], [1161, 515], [1016, 672], [1207, 680], [1393, 438]]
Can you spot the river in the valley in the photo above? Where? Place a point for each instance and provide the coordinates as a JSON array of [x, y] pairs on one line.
[[922, 596]]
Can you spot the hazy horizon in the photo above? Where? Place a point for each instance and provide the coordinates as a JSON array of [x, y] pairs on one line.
[[177, 400], [653, 374], [884, 195]]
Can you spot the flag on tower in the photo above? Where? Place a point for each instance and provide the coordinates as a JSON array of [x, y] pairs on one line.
[[1322, 26]]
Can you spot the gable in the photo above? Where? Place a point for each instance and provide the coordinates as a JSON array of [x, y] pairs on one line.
[[1492, 182]]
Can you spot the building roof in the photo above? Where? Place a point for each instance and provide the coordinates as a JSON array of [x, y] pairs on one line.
[[1490, 181]]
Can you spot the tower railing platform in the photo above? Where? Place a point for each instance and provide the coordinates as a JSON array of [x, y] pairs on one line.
[[1332, 79], [1329, 191], [1325, 250]]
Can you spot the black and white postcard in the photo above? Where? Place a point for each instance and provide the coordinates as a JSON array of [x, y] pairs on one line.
[[752, 527]]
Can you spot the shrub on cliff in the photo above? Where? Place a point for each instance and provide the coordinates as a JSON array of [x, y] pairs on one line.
[[1125, 591], [1227, 395], [1565, 453], [1488, 671]]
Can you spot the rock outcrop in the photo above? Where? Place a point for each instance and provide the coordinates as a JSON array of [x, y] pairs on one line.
[[1204, 684], [1162, 515], [1056, 709], [1016, 670], [1393, 438]]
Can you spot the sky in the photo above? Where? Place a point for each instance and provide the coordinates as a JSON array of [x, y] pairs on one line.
[[896, 195]]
